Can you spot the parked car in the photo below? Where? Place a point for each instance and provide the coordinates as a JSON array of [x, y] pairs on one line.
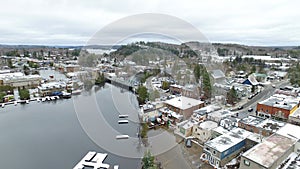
[[250, 109], [240, 108], [188, 143]]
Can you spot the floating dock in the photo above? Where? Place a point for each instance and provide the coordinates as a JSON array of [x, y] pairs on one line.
[[122, 137], [93, 160], [123, 116], [123, 121]]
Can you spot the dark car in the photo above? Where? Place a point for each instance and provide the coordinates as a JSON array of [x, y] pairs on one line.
[[240, 108], [188, 143]]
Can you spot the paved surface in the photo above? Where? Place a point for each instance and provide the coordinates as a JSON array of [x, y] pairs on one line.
[[181, 157]]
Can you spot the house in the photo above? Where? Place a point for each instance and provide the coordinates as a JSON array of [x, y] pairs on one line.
[[183, 105], [184, 128], [202, 113], [217, 76], [251, 80], [217, 116], [269, 154], [224, 148], [202, 131]]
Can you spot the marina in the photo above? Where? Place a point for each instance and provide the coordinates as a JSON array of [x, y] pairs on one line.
[[94, 160]]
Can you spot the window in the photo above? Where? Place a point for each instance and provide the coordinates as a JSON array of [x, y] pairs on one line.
[[214, 152], [246, 162]]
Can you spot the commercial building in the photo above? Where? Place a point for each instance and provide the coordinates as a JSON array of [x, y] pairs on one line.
[[20, 80], [224, 148], [269, 154], [265, 127], [278, 106], [184, 105], [294, 118]]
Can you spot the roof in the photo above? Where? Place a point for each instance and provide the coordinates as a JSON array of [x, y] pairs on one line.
[[290, 130], [228, 140], [271, 125], [251, 80], [281, 101], [221, 130], [252, 120], [270, 150], [186, 124], [216, 74], [183, 102], [208, 125]]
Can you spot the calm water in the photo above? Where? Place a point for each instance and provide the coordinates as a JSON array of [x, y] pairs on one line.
[[49, 135]]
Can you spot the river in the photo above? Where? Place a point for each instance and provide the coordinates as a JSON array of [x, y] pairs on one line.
[[48, 135]]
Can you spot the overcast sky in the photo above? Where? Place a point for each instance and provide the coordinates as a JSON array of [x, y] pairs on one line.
[[74, 22]]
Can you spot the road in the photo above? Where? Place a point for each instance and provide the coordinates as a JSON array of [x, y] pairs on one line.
[[264, 94]]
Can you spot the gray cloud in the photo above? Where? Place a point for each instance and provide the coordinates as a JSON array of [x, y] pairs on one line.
[[254, 22]]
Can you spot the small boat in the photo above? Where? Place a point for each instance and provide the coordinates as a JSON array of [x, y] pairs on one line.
[[27, 101], [122, 137], [3, 105], [15, 103], [116, 167], [53, 98], [76, 92], [123, 116], [48, 98], [123, 121], [43, 99], [66, 95]]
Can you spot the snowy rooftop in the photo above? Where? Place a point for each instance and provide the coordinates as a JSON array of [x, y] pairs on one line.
[[207, 109], [290, 130], [186, 124], [208, 125], [216, 74], [271, 125], [251, 120], [228, 140], [267, 152], [221, 130], [183, 102], [281, 101]]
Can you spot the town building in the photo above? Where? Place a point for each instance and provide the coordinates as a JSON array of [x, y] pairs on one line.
[[184, 128], [203, 130], [224, 148], [269, 154], [294, 118], [20, 80], [183, 105], [218, 76], [277, 106]]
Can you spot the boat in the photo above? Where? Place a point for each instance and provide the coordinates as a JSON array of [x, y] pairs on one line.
[[123, 116], [66, 95], [15, 103], [43, 99], [3, 105], [76, 92], [27, 101], [122, 137], [116, 167], [123, 121], [53, 98]]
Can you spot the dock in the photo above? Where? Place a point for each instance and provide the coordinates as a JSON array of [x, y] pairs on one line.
[[123, 121], [122, 137], [123, 116], [93, 160]]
